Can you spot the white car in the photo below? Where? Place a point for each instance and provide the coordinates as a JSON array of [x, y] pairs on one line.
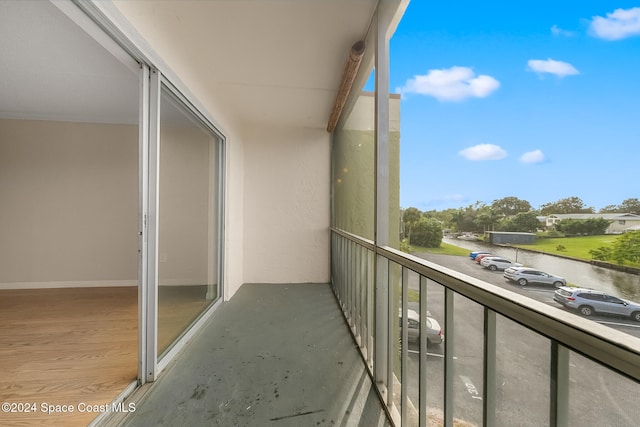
[[494, 263], [589, 301], [526, 275], [434, 331]]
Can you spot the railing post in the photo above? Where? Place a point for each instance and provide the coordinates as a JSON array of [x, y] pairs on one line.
[[370, 307], [381, 331], [559, 393], [350, 282], [392, 320], [449, 347], [405, 346], [363, 288], [489, 365], [422, 387]]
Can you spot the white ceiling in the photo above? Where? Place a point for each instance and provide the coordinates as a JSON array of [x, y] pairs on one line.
[[51, 69], [267, 61], [276, 62]]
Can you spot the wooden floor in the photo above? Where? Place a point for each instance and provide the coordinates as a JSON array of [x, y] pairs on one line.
[[64, 347], [76, 345]]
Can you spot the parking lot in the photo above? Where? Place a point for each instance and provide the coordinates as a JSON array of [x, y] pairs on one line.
[[598, 397]]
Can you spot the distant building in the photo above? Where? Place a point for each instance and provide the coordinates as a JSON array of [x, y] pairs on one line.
[[620, 222], [510, 238]]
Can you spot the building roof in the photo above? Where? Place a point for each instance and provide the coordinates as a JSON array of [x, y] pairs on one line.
[[608, 216], [521, 233]]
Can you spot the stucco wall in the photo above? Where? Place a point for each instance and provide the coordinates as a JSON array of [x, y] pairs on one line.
[[69, 195], [286, 205]]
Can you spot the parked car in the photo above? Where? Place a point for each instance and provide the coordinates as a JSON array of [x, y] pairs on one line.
[[474, 254], [526, 275], [589, 301], [434, 331], [494, 263], [480, 256]]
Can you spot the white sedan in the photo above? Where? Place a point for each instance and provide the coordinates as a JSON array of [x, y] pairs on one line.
[[494, 263], [434, 331]]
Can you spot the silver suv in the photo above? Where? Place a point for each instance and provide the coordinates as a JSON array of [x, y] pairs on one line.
[[526, 275], [494, 263], [589, 301]]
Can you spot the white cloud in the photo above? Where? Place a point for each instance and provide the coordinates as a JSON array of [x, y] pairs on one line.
[[557, 31], [619, 24], [483, 152], [559, 68], [452, 84], [535, 156]]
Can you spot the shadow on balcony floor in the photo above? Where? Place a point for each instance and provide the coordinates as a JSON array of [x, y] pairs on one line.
[[277, 355]]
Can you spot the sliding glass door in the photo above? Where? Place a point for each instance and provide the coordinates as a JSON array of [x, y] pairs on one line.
[[188, 217]]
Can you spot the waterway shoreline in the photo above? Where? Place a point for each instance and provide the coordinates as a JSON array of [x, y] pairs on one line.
[[603, 264], [598, 263]]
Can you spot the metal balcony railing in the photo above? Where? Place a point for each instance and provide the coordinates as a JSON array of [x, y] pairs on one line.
[[506, 359]]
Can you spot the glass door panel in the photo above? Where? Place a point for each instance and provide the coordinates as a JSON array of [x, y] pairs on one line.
[[187, 219]]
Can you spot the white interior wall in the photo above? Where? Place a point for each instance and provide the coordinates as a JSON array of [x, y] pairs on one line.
[[234, 214], [286, 205], [185, 199], [69, 194]]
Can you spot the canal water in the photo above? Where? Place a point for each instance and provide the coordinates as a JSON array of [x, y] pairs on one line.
[[582, 274]]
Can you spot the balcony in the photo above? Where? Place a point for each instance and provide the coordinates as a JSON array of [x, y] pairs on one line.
[[298, 354], [273, 355], [282, 354]]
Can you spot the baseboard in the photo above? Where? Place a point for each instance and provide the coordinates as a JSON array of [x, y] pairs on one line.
[[68, 284]]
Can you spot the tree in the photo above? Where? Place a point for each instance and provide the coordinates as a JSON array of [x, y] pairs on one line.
[[627, 206], [410, 216], [591, 226], [508, 206], [603, 253], [630, 206], [523, 222], [427, 233], [565, 206], [444, 216], [487, 218], [457, 219], [627, 247], [610, 209]]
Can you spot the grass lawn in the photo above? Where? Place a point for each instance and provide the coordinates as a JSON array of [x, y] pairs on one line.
[[576, 247], [444, 249]]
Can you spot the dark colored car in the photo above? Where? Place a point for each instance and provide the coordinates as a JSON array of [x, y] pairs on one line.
[[474, 254], [481, 256]]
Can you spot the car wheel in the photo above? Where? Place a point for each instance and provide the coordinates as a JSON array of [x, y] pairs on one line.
[[493, 268], [636, 316], [522, 282], [585, 310], [557, 284]]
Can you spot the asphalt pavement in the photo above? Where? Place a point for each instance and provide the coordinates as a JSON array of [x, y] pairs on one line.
[[598, 397]]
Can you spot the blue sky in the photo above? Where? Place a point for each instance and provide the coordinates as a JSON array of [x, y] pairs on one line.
[[537, 100]]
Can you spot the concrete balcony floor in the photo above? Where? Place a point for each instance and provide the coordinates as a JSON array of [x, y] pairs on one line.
[[274, 355]]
